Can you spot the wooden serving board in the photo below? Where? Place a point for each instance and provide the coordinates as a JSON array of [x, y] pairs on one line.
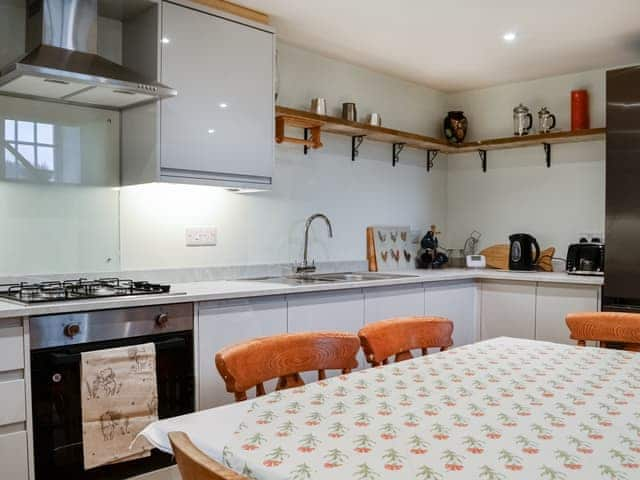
[[498, 257]]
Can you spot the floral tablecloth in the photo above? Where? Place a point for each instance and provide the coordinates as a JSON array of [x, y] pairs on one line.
[[495, 410]]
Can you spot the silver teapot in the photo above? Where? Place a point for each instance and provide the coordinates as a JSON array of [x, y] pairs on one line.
[[546, 120], [522, 120]]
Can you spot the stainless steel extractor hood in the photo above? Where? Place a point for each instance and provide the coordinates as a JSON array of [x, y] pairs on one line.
[[63, 64]]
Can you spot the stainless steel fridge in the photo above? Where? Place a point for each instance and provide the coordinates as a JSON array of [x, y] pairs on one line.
[[622, 260]]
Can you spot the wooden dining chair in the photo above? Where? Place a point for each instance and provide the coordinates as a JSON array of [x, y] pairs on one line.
[[398, 336], [250, 364], [611, 329], [194, 464]]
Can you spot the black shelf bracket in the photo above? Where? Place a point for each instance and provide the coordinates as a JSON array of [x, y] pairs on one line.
[[306, 137], [483, 157], [397, 148], [356, 141], [547, 153], [431, 156]]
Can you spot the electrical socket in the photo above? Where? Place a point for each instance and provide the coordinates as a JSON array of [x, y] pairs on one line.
[[200, 236]]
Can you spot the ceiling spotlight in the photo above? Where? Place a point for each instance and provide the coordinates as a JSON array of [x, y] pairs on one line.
[[223, 105], [211, 130], [509, 37], [165, 40]]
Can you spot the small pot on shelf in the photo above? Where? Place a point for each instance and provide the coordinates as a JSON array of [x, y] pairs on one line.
[[455, 126]]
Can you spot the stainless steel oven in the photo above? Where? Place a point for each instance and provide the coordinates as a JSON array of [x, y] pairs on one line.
[[57, 342]]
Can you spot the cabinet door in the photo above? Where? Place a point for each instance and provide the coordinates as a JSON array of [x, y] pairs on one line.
[[554, 302], [11, 345], [13, 456], [221, 122], [226, 322], [388, 302], [457, 302], [338, 311], [508, 309]]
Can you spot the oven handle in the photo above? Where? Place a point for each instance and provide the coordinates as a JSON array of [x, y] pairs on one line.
[[161, 345]]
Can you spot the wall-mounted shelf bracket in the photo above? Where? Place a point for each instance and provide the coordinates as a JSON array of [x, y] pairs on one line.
[[306, 137], [311, 130], [483, 157], [431, 156], [547, 153], [397, 148], [356, 141]]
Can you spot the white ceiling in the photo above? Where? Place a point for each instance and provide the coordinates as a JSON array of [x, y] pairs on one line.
[[454, 45]]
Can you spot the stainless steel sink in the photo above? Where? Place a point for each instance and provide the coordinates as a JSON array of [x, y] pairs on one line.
[[320, 278], [358, 277]]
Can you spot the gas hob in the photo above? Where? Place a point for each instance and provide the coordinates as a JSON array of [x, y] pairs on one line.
[[79, 289]]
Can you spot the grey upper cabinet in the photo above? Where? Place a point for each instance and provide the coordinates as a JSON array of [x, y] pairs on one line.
[[218, 130]]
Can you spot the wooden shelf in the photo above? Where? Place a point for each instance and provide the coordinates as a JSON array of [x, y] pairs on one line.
[[530, 140], [354, 129], [317, 123]]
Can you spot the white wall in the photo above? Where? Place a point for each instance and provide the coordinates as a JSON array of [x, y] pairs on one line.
[[518, 193], [268, 227]]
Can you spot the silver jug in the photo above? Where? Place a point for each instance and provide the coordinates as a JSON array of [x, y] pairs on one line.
[[546, 120], [522, 120], [319, 106], [375, 119], [349, 112]]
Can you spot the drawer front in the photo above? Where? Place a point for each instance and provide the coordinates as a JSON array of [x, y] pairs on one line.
[[11, 345], [13, 402], [13, 456]]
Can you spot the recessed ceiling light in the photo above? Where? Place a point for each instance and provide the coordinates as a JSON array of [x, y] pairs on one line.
[[165, 40], [509, 36], [223, 105], [211, 130]]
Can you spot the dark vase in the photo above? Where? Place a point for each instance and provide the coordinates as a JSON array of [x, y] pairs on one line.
[[455, 126]]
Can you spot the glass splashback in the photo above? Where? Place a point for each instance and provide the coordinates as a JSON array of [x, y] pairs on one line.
[[44, 142], [59, 196]]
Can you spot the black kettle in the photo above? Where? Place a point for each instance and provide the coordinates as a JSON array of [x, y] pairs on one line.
[[521, 252]]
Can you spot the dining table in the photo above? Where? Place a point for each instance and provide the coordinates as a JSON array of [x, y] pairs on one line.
[[499, 409]]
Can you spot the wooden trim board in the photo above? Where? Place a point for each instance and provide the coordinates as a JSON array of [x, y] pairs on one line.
[[235, 9]]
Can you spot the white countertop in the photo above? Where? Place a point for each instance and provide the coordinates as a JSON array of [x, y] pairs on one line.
[[229, 289]]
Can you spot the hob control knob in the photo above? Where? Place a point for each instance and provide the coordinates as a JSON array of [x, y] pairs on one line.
[[162, 319], [71, 330]]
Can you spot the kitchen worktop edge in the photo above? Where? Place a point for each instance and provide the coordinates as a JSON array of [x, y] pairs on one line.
[[235, 289]]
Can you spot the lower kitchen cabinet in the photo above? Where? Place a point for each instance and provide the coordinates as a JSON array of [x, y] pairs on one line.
[[457, 302], [554, 302], [388, 302], [507, 309], [337, 310], [225, 322], [14, 463], [13, 456]]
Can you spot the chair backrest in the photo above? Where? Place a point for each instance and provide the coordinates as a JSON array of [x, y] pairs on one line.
[[250, 364], [398, 336], [611, 329], [194, 464]]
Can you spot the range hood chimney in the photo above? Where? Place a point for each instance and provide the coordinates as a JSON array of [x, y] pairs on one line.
[[63, 64]]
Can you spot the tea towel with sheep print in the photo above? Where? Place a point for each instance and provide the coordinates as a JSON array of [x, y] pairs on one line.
[[119, 399], [495, 410]]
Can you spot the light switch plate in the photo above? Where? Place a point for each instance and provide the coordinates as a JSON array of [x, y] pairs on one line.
[[200, 236]]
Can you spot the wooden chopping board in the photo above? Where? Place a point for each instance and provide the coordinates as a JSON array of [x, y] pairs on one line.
[[498, 257]]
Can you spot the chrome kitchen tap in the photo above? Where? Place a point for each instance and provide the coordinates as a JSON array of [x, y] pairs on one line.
[[304, 267]]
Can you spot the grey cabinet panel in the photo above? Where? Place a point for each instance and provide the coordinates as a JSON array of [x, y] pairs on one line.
[[508, 309], [221, 123], [457, 302], [224, 323]]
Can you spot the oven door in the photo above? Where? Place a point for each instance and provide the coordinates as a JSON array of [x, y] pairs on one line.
[[57, 418]]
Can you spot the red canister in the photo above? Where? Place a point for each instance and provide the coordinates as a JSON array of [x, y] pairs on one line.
[[579, 109]]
